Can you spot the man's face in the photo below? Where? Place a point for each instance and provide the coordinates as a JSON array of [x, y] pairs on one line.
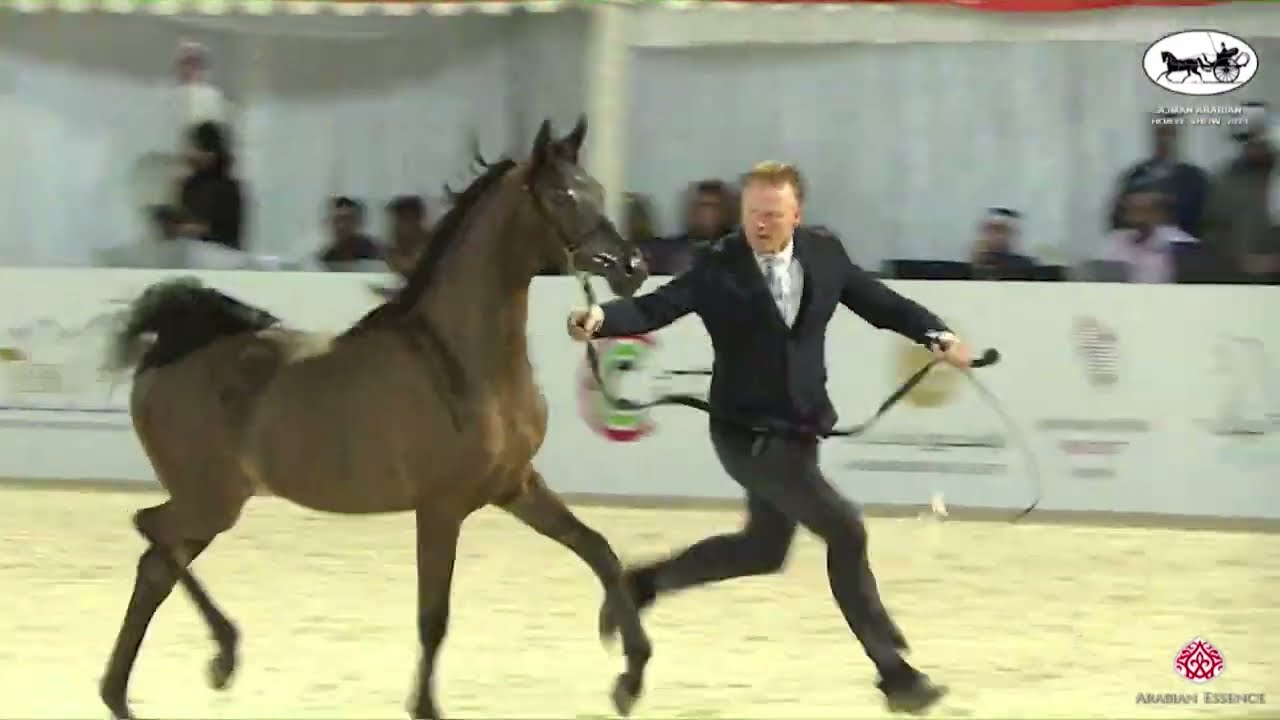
[[405, 226], [706, 215], [190, 67], [997, 236], [1143, 210], [345, 221], [770, 214]]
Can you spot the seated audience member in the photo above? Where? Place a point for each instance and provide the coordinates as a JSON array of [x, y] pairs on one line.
[[1244, 209], [348, 243], [1146, 242], [210, 198], [407, 220], [709, 216], [1186, 185], [994, 256]]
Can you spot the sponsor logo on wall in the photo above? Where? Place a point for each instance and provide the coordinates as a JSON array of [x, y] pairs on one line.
[[964, 450], [51, 375], [1091, 445], [1098, 348], [1244, 397]]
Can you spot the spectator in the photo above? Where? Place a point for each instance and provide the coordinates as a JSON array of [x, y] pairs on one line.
[[709, 216], [348, 241], [994, 256], [210, 198], [1187, 184], [1145, 243], [1242, 233], [407, 220]]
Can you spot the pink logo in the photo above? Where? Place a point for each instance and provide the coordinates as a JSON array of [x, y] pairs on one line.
[[1199, 661]]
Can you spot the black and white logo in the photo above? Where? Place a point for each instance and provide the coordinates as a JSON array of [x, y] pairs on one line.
[[1200, 62]]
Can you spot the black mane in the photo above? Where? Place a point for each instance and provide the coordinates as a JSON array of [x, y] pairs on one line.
[[443, 238]]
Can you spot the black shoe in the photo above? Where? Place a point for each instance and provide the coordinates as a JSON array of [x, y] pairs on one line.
[[914, 695]]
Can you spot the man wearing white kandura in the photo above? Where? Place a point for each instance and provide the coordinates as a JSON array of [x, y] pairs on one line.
[[765, 295]]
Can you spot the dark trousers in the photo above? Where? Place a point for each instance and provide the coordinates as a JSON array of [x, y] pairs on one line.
[[785, 488]]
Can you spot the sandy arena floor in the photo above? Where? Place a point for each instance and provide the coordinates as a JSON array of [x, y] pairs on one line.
[[1023, 621]]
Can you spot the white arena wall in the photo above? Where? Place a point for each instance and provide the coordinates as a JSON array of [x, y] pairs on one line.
[[1161, 400]]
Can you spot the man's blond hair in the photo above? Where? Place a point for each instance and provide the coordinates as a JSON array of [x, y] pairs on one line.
[[777, 174]]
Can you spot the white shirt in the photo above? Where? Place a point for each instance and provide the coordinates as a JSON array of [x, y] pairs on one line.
[[792, 276], [194, 103]]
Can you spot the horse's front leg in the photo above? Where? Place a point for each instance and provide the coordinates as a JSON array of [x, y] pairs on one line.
[[437, 548], [541, 509]]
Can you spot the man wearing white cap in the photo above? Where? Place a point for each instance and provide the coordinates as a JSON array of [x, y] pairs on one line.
[[1242, 227], [197, 100]]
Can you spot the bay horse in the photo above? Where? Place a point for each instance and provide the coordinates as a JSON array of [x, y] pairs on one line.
[[427, 404]]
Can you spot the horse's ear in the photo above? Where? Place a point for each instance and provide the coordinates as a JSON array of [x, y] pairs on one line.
[[573, 141], [541, 144]]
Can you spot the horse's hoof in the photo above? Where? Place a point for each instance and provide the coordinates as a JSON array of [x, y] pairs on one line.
[[120, 710], [625, 694], [221, 669]]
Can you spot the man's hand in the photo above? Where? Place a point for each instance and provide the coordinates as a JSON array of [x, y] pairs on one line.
[[951, 350], [584, 322]]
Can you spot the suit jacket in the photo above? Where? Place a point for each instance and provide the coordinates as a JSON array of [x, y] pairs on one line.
[[766, 373]]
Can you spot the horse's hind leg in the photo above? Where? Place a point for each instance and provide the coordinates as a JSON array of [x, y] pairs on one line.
[[157, 527], [162, 565], [541, 509], [155, 579]]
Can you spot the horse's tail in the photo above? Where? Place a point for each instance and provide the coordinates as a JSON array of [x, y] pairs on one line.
[[174, 318]]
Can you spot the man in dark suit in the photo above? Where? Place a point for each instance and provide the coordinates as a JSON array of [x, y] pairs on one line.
[[765, 295]]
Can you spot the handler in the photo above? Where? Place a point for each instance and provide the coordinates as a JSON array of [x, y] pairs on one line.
[[765, 295]]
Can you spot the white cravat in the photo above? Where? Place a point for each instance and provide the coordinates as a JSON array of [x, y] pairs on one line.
[[783, 278]]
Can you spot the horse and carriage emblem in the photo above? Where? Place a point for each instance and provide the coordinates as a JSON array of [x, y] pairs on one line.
[[1212, 59]]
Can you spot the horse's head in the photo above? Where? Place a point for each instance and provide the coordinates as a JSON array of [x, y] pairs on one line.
[[580, 236], [1168, 57]]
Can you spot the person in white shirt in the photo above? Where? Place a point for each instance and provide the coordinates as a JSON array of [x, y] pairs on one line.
[[1146, 245], [198, 100]]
